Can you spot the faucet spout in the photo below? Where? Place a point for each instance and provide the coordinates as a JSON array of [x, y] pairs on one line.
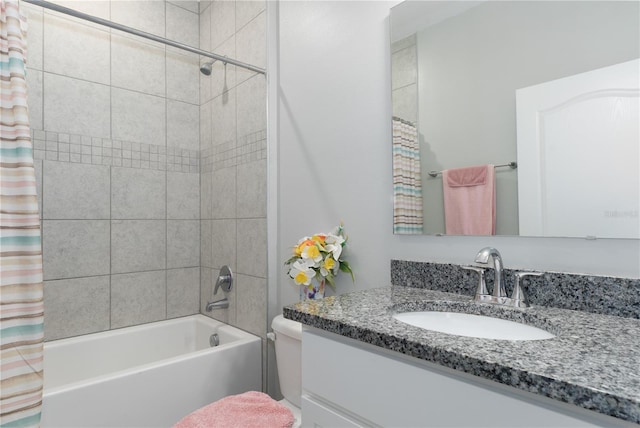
[[491, 254], [220, 304]]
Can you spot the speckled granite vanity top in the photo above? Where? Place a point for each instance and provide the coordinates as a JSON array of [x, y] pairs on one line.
[[593, 362]]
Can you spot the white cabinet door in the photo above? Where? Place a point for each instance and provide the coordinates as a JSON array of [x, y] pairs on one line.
[[579, 155]]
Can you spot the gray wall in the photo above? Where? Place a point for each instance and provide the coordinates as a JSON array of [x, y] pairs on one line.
[[115, 133], [470, 66]]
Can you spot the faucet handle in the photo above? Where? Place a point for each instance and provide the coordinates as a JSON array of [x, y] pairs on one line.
[[518, 297], [482, 284]]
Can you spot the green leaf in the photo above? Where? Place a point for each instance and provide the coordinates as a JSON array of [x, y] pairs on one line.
[[344, 267], [291, 260]]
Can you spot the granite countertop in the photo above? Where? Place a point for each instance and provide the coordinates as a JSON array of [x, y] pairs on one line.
[[593, 362]]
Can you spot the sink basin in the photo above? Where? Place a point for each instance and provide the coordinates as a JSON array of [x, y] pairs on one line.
[[461, 324]]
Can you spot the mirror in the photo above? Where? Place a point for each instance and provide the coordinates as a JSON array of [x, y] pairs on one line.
[[456, 67]]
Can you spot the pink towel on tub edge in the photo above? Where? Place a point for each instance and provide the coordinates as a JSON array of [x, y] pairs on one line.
[[250, 409], [470, 200]]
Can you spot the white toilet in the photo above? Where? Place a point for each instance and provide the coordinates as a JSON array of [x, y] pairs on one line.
[[288, 342]]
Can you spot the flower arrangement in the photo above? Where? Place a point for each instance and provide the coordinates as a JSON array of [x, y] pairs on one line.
[[319, 257]]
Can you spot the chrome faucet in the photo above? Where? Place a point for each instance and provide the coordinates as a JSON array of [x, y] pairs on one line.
[[498, 295], [483, 257], [224, 281]]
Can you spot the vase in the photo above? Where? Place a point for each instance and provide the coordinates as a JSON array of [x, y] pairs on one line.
[[313, 291]]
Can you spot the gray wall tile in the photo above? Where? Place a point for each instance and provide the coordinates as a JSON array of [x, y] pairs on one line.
[[206, 195], [252, 110], [247, 10], [223, 186], [138, 64], [190, 5], [223, 110], [138, 298], [223, 21], [205, 125], [252, 189], [251, 304], [138, 194], [138, 245], [183, 74], [183, 243], [223, 243], [252, 247], [182, 125], [76, 306], [75, 191], [148, 16], [75, 49], [75, 248], [35, 37], [183, 292], [138, 117], [206, 239], [251, 46], [76, 106], [182, 25], [183, 196], [35, 98]]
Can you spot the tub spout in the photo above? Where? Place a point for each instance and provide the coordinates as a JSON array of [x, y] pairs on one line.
[[220, 304]]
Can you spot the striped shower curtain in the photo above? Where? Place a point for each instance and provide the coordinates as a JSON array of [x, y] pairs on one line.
[[407, 179], [21, 290]]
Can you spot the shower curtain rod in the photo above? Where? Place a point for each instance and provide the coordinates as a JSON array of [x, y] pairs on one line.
[[110, 24]]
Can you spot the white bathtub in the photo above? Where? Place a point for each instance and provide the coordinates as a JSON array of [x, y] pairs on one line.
[[146, 376]]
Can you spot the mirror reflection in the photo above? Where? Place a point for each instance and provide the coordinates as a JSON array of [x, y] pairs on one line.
[[540, 85]]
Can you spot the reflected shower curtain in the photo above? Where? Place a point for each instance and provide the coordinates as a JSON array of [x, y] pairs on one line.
[[21, 289], [407, 179]]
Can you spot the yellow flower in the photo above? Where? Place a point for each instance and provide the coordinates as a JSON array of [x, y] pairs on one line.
[[329, 263]]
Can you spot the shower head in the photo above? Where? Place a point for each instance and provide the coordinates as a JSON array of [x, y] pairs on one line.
[[205, 68]]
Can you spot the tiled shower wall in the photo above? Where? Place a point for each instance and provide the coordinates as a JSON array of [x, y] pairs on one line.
[[233, 163], [115, 124]]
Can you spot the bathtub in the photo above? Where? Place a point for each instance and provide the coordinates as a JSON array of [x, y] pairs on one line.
[[146, 376]]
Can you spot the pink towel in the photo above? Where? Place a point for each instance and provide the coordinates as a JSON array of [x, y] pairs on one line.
[[251, 409], [470, 200]]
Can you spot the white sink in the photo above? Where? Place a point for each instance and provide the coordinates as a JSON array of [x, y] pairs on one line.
[[472, 325]]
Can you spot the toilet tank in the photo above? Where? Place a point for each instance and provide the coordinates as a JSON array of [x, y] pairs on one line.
[[289, 357]]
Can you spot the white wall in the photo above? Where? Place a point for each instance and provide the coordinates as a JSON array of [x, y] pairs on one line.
[[334, 163]]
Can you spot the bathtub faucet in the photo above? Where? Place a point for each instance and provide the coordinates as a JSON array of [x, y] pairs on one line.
[[224, 281], [220, 304]]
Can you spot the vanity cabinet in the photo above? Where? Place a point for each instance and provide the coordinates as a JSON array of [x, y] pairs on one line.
[[347, 383]]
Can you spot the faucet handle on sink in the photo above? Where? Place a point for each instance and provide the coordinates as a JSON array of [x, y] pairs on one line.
[[518, 297], [482, 284]]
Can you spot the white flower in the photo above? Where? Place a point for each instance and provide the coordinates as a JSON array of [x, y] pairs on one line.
[[333, 245], [302, 273]]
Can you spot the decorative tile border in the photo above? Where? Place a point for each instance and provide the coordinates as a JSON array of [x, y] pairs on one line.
[[250, 148], [75, 148], [588, 293]]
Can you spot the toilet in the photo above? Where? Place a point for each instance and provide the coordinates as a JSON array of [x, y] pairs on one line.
[[288, 344]]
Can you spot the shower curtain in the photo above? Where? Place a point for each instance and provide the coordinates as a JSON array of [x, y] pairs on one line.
[[407, 179], [21, 288]]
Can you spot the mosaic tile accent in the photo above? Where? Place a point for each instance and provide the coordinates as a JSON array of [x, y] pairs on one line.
[[589, 293], [591, 363], [103, 151], [250, 148]]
